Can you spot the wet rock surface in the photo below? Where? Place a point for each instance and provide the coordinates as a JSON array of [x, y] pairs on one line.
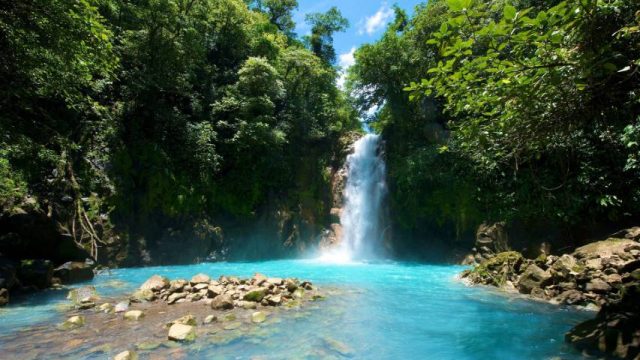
[[604, 276], [159, 328]]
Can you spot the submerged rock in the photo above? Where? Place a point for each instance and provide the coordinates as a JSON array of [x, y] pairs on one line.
[[126, 355], [106, 308], [83, 296], [73, 322], [180, 332], [133, 315], [258, 317]]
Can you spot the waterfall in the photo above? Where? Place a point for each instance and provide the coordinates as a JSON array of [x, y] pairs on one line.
[[364, 193]]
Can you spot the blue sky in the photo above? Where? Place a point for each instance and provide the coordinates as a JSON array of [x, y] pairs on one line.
[[368, 19]]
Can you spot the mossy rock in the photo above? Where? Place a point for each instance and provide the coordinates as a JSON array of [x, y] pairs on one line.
[[496, 270], [255, 295]]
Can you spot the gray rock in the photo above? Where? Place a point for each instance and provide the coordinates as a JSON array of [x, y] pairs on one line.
[[182, 333], [200, 279], [143, 295], [177, 285], [175, 297], [564, 266], [570, 297], [533, 277], [133, 315], [121, 307], [83, 294], [216, 290], [274, 300], [598, 285], [222, 302], [156, 283]]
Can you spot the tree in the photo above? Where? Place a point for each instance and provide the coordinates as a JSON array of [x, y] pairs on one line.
[[323, 26]]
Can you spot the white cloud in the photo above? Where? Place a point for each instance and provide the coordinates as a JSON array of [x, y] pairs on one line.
[[376, 21], [346, 60]]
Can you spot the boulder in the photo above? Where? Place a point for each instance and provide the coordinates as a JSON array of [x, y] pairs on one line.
[[37, 273], [209, 319], [222, 302], [598, 285], [564, 266], [133, 315], [533, 277], [603, 249], [180, 332], [126, 355], [156, 283], [275, 281], [73, 272], [200, 279], [258, 317], [255, 295]]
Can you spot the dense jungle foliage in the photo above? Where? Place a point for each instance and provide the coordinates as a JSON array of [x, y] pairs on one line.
[[159, 114], [526, 111]]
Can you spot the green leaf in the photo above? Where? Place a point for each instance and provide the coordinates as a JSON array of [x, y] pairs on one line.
[[510, 12]]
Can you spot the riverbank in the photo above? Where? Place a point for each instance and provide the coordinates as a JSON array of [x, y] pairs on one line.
[[602, 276]]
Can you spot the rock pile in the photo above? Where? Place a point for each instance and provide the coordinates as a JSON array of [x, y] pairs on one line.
[[592, 275], [225, 293], [602, 275]]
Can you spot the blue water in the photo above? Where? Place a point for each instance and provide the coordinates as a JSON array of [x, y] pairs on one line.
[[379, 311]]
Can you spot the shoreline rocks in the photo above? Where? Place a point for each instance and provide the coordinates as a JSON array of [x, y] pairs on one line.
[[158, 328], [603, 275]]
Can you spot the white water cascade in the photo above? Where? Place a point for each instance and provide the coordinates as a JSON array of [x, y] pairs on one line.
[[362, 213]]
